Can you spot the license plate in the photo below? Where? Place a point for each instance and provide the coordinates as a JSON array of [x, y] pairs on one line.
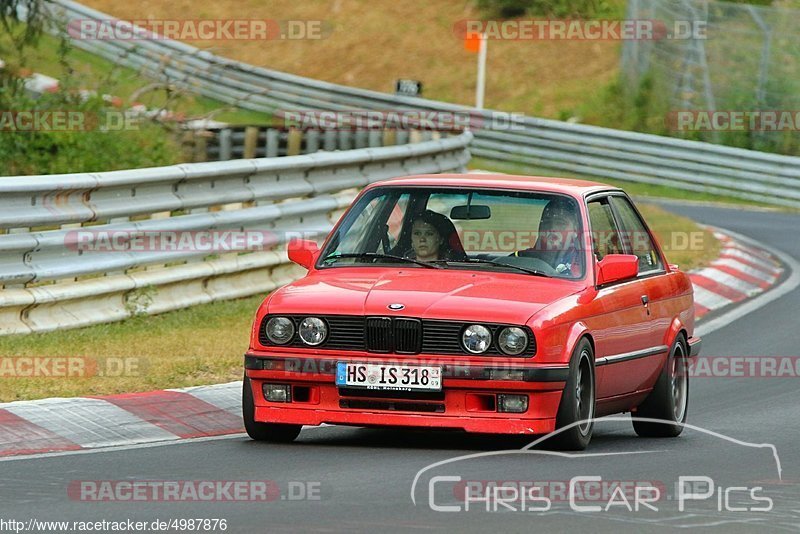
[[387, 376]]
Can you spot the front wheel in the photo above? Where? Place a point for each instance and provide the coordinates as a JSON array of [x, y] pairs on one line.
[[271, 432], [669, 400], [576, 411]]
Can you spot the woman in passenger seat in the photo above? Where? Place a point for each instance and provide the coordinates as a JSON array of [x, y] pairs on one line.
[[434, 237]]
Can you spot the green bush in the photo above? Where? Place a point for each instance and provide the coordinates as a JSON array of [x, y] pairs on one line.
[[573, 9], [101, 140], [93, 149]]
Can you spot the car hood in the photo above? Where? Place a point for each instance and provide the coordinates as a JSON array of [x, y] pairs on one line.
[[425, 293]]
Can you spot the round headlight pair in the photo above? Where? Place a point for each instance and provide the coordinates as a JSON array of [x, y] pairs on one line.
[[477, 339], [280, 330]]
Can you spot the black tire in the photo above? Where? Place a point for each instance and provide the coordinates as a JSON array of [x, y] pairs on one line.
[[271, 432], [577, 401], [669, 400]]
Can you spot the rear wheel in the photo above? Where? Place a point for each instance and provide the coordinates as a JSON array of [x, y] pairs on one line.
[[577, 407], [669, 400], [272, 432]]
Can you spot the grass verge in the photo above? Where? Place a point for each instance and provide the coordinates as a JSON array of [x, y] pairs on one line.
[[199, 345]]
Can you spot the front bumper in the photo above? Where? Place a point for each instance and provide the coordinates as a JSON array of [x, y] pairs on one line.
[[466, 401]]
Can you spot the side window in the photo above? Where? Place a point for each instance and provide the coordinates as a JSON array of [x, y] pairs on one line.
[[635, 236], [363, 228], [605, 238]]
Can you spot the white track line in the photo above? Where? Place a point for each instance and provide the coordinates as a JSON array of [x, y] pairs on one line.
[[751, 258], [745, 269], [787, 286], [730, 280], [708, 299], [88, 422]]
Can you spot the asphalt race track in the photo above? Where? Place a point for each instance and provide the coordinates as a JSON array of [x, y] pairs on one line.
[[361, 479]]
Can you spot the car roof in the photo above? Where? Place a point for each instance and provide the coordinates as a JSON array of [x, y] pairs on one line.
[[569, 186]]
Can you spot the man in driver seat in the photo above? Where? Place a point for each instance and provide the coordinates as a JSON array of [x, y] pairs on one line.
[[557, 242]]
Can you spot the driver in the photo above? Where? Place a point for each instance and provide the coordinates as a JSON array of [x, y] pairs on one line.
[[557, 240]]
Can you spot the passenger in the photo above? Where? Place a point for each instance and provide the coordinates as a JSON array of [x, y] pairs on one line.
[[434, 237]]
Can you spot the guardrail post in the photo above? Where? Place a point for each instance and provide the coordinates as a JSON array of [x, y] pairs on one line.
[[389, 137], [402, 137], [375, 138], [294, 142], [329, 140], [312, 141], [250, 141], [345, 139], [361, 138], [225, 145], [273, 141]]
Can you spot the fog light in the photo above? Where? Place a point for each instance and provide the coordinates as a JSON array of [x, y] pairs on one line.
[[277, 392], [506, 374], [512, 403]]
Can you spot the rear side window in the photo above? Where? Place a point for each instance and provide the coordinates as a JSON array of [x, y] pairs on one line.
[[635, 237], [605, 238]]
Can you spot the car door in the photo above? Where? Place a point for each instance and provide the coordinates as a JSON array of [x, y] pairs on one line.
[[639, 241], [620, 328]]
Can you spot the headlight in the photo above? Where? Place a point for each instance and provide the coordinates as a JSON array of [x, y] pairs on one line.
[[512, 340], [476, 339], [279, 330], [313, 330]]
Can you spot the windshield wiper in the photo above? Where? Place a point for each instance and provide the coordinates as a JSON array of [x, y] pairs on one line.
[[375, 255], [497, 263]]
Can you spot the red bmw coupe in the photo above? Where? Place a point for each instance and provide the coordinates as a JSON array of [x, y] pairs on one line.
[[486, 303]]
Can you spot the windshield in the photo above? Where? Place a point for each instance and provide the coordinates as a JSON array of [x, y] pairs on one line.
[[524, 232]]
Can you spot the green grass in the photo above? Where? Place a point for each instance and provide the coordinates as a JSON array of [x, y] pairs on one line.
[[194, 346]]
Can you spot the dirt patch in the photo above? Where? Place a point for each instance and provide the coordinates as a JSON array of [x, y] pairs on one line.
[[371, 44]]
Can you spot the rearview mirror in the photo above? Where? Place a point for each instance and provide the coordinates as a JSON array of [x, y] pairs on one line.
[[303, 252], [617, 267], [470, 212]]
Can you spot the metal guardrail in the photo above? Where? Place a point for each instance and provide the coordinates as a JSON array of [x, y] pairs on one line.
[[538, 143], [58, 269], [223, 143]]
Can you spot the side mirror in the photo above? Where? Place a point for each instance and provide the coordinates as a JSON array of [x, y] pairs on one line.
[[303, 252], [617, 267]]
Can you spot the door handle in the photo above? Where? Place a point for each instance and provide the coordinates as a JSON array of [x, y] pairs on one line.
[[646, 303]]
